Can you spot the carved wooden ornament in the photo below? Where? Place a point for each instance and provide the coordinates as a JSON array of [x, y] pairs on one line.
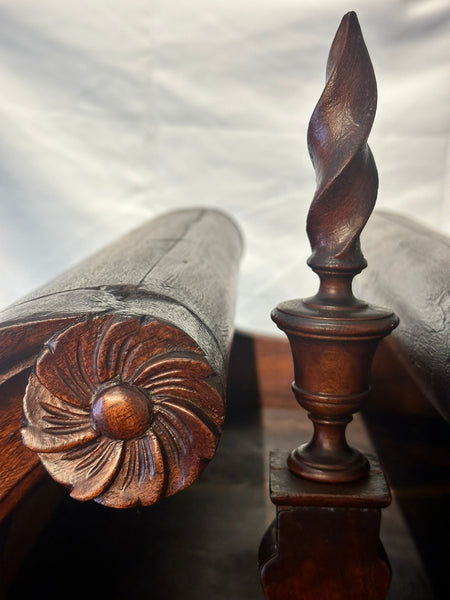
[[346, 175], [123, 410], [334, 335], [126, 358], [325, 540]]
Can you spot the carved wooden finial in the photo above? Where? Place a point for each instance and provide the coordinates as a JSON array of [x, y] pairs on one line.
[[333, 335], [346, 174]]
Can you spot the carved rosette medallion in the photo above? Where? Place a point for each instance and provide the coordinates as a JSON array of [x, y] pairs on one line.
[[122, 410]]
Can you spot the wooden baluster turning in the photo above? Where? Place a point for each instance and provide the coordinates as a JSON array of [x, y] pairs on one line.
[[324, 543]]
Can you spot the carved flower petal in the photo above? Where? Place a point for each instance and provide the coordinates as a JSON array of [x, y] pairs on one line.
[[140, 479], [188, 443], [54, 425], [99, 473], [183, 468], [195, 395], [66, 368], [38, 440], [170, 366], [153, 339], [201, 439], [89, 469], [112, 346]]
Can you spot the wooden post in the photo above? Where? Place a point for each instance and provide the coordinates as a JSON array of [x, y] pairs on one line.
[[324, 543], [129, 350]]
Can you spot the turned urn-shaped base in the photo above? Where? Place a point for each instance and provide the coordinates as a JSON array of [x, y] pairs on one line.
[[332, 351]]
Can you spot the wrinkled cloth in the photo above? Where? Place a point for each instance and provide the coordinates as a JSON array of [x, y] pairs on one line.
[[112, 112]]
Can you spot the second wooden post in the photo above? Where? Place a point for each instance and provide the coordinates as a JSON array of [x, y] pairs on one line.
[[324, 542]]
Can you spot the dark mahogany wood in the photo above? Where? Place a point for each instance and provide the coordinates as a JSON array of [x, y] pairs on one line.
[[329, 547], [20, 469], [124, 403], [334, 335], [324, 543]]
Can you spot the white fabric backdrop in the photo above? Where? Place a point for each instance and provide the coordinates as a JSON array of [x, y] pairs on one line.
[[112, 112]]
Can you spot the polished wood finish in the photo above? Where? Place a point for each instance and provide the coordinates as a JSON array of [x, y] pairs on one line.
[[286, 490], [125, 401], [334, 335], [19, 467], [324, 543], [299, 554]]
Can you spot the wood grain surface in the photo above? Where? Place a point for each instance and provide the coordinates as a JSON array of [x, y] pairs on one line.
[[416, 283]]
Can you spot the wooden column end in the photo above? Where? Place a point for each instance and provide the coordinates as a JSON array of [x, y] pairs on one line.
[[123, 410]]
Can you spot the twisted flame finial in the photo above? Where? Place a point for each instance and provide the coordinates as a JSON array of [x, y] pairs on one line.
[[333, 335], [347, 179]]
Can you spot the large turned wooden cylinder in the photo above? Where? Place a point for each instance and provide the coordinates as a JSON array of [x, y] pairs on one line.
[[125, 401], [422, 264]]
